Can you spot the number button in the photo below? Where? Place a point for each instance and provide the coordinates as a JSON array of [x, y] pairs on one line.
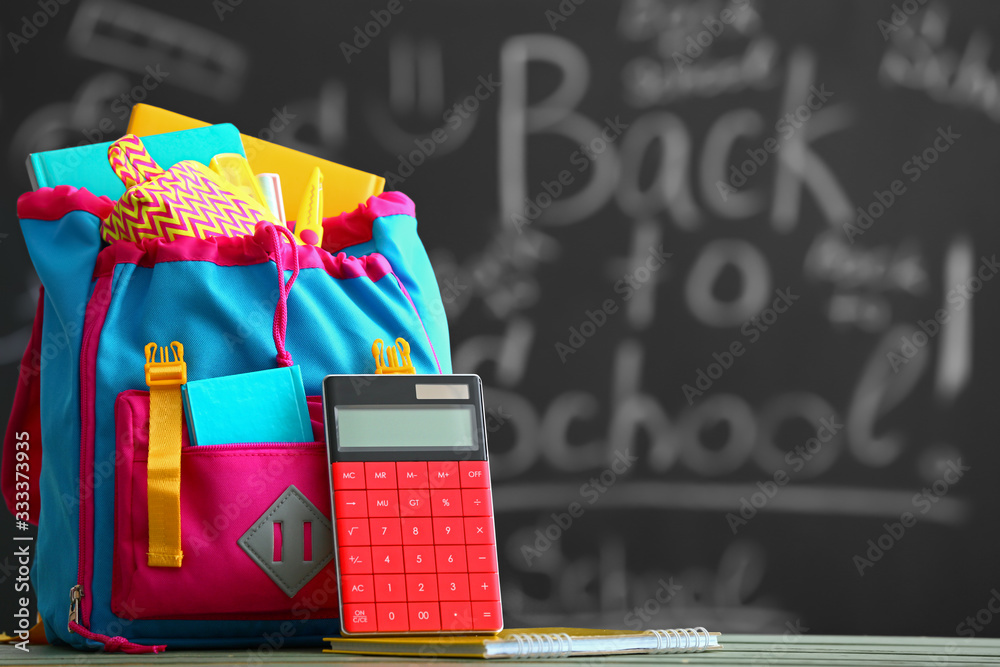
[[385, 531], [446, 502], [486, 616], [348, 476], [453, 586], [387, 560], [482, 557], [418, 559], [417, 531], [380, 475], [479, 530], [424, 617], [382, 503], [350, 504], [392, 616], [456, 616], [421, 587], [443, 474], [390, 588], [414, 502], [411, 474], [352, 532], [449, 530], [450, 559], [357, 588], [484, 586], [355, 560], [477, 502], [474, 474], [359, 618]]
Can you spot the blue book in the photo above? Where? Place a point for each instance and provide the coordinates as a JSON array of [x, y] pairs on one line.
[[87, 166], [265, 406]]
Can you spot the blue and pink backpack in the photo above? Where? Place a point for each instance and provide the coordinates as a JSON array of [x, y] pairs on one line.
[[237, 304]]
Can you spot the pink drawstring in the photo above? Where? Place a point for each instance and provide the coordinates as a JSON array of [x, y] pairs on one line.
[[281, 310], [115, 644]]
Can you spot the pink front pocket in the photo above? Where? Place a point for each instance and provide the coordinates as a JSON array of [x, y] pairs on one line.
[[255, 528]]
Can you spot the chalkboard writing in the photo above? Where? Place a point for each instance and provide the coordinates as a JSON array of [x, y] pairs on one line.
[[725, 268]]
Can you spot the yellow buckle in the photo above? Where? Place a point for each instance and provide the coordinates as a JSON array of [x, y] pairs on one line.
[[394, 364], [165, 372]]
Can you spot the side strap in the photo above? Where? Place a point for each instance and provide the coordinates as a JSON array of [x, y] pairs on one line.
[[163, 484]]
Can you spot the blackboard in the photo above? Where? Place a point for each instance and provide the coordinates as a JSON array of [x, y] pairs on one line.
[[725, 268]]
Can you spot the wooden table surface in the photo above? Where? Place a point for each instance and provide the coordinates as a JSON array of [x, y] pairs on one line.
[[776, 650]]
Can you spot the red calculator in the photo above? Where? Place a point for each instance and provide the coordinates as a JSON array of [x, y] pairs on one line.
[[412, 505]]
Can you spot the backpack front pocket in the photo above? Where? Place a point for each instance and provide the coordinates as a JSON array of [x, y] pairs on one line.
[[255, 528]]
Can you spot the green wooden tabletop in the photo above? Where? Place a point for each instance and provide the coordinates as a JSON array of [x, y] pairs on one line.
[[777, 650]]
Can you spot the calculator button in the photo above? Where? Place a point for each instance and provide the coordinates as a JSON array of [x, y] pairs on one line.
[[479, 530], [421, 587], [483, 586], [449, 530], [350, 504], [352, 532], [443, 474], [414, 502], [424, 616], [357, 588], [482, 557], [380, 475], [474, 474], [453, 586], [446, 502], [477, 502], [411, 474], [450, 558], [390, 588], [359, 617], [385, 531], [355, 560], [487, 615], [418, 559], [382, 503], [348, 475], [417, 531], [387, 560], [456, 616], [392, 616]]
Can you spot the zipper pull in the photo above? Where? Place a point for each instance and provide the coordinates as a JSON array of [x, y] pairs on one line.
[[111, 644], [75, 594]]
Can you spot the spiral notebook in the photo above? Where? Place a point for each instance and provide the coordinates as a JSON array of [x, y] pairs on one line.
[[533, 643]]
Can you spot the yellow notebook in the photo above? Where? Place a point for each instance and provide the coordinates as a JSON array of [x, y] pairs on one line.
[[532, 643], [345, 187]]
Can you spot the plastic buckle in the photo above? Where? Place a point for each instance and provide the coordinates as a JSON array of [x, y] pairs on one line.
[[166, 372]]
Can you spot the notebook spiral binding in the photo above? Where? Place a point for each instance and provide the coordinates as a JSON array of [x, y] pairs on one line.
[[557, 645], [682, 640], [560, 645]]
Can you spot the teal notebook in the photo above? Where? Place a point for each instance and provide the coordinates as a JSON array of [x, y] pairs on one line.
[[87, 166], [265, 406]]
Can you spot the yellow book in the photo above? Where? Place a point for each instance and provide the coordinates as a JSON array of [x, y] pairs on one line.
[[345, 187], [532, 643]]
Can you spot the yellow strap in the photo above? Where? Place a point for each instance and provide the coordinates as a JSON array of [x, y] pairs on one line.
[[163, 483]]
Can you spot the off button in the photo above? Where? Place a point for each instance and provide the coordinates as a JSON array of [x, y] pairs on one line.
[[474, 474]]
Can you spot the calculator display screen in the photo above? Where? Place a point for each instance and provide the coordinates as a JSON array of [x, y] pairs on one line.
[[391, 427]]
